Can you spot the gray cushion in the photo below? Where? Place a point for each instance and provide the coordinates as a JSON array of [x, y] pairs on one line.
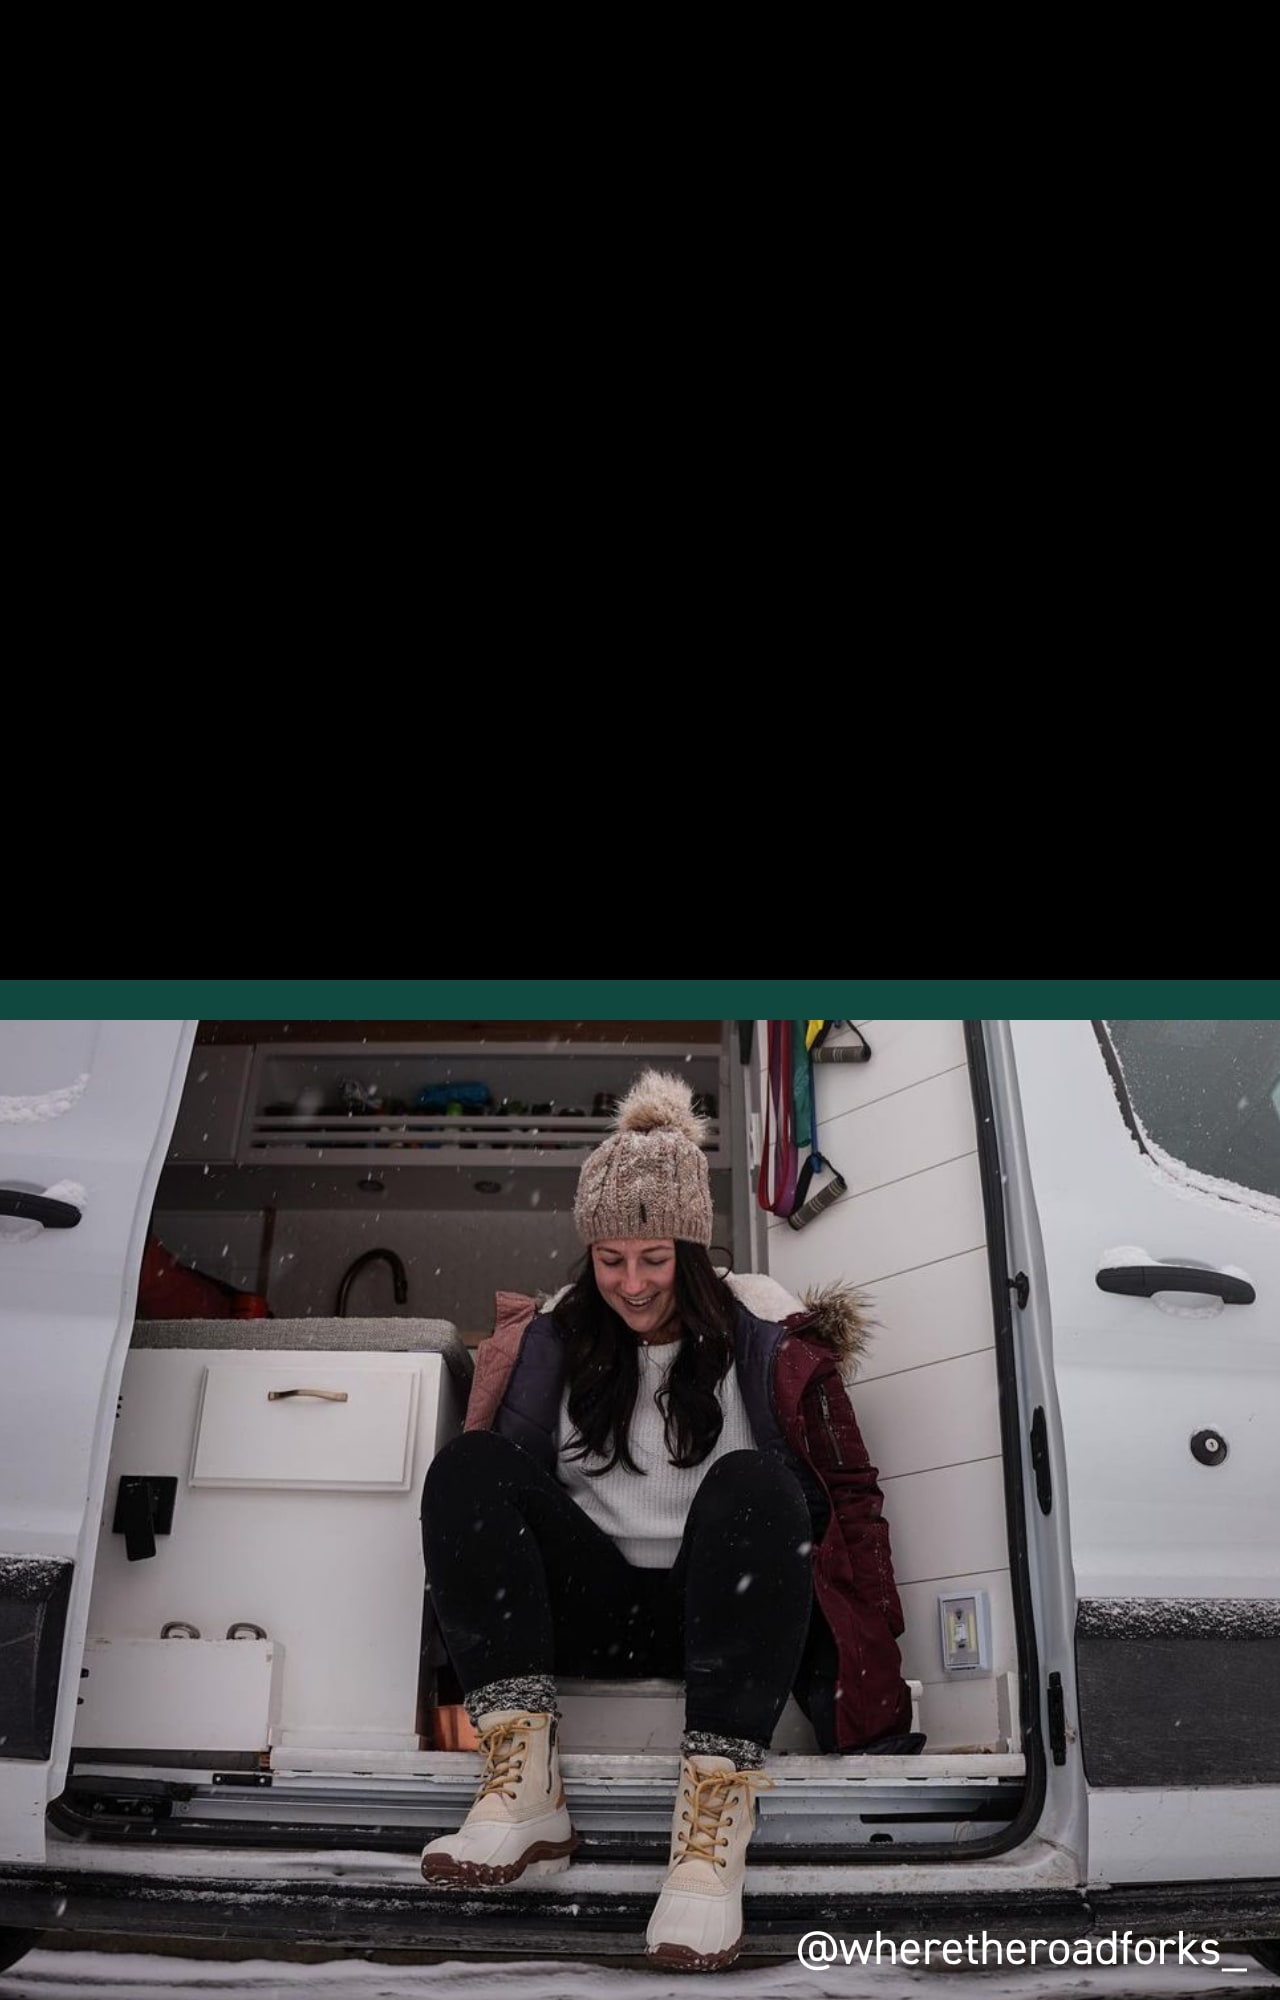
[[394, 1335]]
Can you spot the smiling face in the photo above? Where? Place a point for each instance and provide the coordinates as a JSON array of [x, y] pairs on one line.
[[637, 1277]]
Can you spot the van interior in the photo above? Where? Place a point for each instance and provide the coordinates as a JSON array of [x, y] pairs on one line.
[[340, 1204]]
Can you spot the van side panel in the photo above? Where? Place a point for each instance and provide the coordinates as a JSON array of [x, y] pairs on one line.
[[86, 1108], [1173, 1693], [1174, 1551]]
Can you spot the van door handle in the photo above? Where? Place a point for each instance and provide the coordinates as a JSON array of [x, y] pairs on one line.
[[1141, 1281], [39, 1208]]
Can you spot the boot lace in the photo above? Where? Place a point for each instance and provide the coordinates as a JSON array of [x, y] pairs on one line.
[[708, 1813], [504, 1749]]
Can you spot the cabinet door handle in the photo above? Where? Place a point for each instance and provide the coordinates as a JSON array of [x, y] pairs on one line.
[[328, 1395]]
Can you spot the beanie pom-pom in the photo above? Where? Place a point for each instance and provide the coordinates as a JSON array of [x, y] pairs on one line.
[[658, 1101]]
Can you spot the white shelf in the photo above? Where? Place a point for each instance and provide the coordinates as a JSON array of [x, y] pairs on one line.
[[444, 1141], [292, 1146], [293, 1115]]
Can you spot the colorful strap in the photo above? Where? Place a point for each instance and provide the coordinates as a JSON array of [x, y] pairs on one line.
[[794, 1048], [806, 1206], [779, 1153]]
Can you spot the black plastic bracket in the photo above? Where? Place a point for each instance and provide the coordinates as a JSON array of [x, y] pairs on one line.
[[1057, 1719], [144, 1509], [1040, 1461]]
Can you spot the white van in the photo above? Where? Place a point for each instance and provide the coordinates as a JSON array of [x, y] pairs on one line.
[[224, 1711]]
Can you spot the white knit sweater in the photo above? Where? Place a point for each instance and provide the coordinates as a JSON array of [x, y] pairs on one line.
[[645, 1515]]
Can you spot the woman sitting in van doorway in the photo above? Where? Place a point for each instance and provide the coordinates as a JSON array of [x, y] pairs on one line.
[[660, 1475]]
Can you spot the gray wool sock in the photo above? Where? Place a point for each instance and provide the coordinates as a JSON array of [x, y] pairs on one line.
[[534, 1692], [742, 1753]]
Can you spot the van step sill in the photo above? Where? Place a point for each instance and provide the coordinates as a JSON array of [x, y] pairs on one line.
[[620, 1805], [641, 1763]]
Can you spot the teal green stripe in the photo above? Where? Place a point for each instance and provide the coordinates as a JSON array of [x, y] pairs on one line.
[[637, 999]]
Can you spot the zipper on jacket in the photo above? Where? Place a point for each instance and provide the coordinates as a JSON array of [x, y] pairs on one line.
[[826, 1425]]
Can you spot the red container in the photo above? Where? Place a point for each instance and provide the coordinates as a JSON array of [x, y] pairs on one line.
[[451, 1729]]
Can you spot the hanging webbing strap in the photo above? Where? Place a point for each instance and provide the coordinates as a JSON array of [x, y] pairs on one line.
[[791, 1120], [779, 1152], [816, 1042], [811, 1205], [806, 1206]]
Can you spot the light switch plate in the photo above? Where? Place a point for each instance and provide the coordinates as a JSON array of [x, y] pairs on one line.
[[965, 1619]]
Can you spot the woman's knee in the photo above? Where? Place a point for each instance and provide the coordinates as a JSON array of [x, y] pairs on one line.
[[742, 1480], [471, 1456]]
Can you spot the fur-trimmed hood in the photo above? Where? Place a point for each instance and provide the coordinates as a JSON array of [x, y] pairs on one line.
[[836, 1314]]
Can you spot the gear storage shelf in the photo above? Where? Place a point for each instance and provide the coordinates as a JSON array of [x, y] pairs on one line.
[[334, 1125], [544, 1105]]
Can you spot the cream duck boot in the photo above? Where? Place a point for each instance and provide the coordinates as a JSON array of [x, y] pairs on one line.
[[519, 1817], [697, 1920]]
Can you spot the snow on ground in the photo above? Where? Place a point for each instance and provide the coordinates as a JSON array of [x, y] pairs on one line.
[[63, 1975]]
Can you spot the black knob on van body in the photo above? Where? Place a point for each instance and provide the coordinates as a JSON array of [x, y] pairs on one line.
[[1210, 1447]]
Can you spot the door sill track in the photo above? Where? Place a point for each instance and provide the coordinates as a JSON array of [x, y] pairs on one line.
[[826, 1802]]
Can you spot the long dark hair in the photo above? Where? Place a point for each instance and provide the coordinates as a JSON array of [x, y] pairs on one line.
[[604, 1368]]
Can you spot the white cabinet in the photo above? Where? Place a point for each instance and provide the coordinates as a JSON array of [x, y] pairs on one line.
[[299, 1516], [219, 1695], [306, 1422]]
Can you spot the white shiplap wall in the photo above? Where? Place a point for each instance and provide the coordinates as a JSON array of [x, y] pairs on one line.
[[900, 1129]]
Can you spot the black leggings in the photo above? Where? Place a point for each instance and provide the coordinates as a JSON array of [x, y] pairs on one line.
[[524, 1582]]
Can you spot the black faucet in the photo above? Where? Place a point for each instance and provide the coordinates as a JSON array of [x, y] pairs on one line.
[[398, 1278]]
